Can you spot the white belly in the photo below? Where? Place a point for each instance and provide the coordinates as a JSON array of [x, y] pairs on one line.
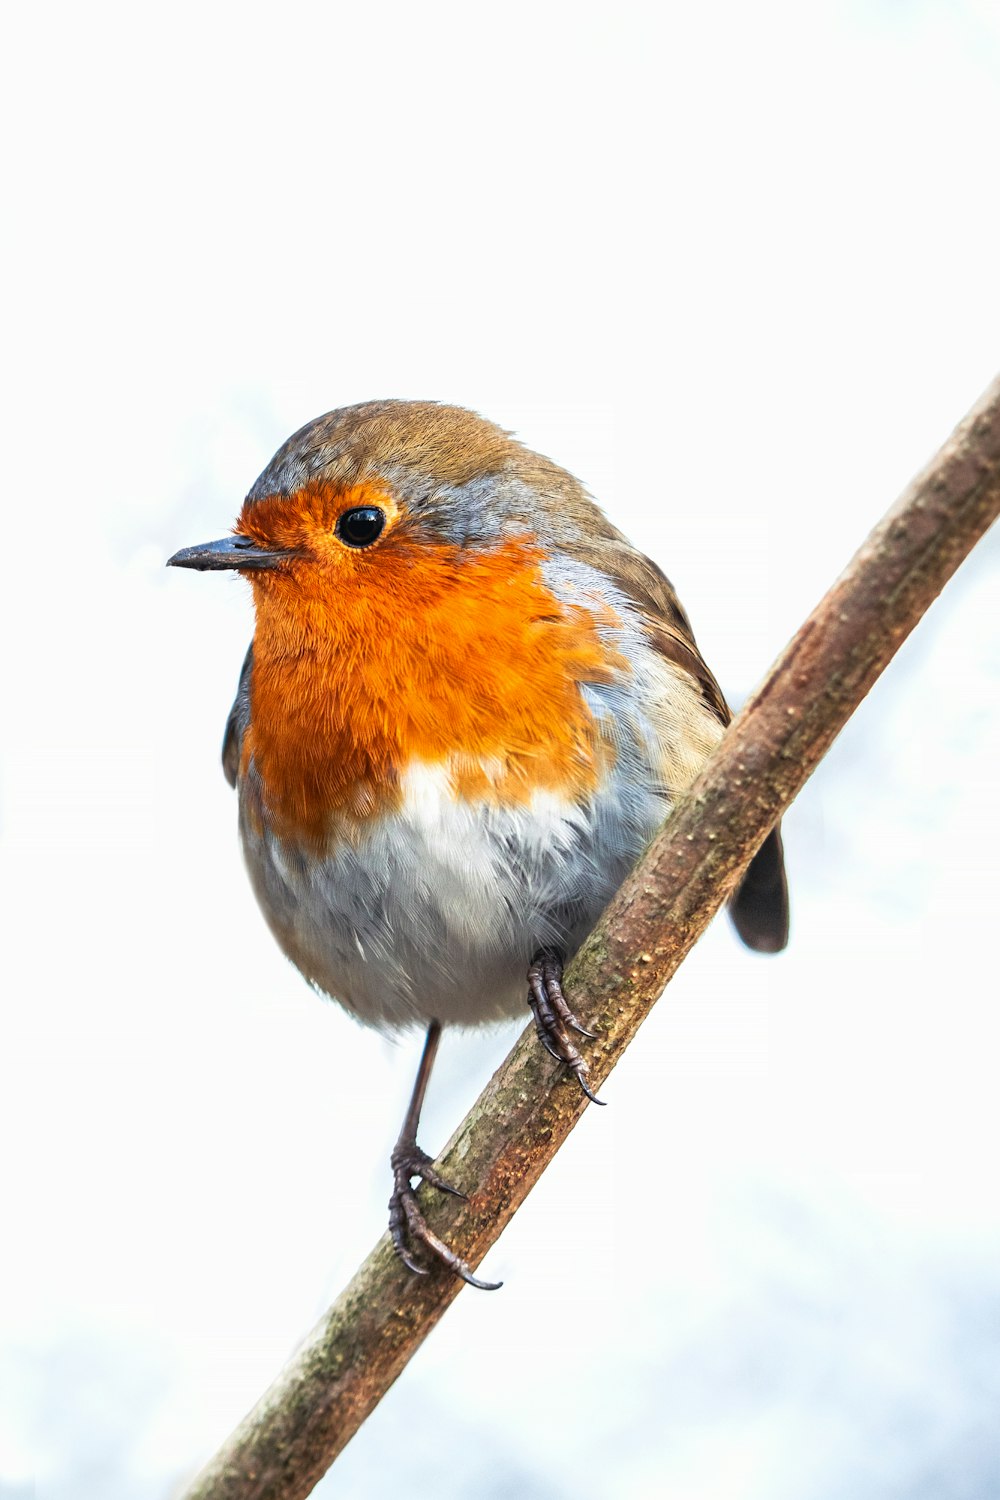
[[436, 910]]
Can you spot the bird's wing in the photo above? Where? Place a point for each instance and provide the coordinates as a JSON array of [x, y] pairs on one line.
[[650, 590], [239, 718], [759, 905]]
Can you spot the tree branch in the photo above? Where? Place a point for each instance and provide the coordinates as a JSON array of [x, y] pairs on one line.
[[283, 1447]]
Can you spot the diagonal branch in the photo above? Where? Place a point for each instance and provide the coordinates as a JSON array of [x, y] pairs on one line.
[[283, 1447]]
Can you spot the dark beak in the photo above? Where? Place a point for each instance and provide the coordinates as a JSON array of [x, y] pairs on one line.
[[229, 552]]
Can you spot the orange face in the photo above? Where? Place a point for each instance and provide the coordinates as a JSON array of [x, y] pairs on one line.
[[309, 523], [408, 648]]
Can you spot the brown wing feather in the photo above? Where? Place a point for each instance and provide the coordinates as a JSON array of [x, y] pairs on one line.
[[759, 905], [651, 591], [239, 717]]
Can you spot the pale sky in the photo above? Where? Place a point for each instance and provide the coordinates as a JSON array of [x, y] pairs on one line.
[[736, 267]]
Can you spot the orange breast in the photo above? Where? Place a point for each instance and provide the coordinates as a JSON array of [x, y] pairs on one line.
[[420, 651]]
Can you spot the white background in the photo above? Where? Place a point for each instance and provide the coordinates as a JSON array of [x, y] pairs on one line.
[[735, 265]]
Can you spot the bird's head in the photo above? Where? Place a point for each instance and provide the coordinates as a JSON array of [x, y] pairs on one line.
[[360, 493]]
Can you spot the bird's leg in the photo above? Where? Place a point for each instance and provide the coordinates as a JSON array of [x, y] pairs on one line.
[[407, 1224], [553, 1018]]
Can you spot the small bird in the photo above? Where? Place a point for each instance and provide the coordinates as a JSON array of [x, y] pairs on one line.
[[468, 705]]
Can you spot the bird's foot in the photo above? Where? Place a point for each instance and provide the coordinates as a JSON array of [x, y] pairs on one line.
[[553, 1018], [407, 1224]]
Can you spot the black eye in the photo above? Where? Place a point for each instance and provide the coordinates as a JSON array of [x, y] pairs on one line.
[[361, 527]]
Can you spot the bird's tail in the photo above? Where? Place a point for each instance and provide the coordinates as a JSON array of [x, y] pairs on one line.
[[759, 905]]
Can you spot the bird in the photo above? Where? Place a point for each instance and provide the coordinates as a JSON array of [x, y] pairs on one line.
[[468, 705]]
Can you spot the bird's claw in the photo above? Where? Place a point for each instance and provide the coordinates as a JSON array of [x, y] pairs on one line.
[[554, 1020], [407, 1225]]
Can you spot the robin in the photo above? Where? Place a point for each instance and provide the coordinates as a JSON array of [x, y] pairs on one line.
[[468, 705]]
